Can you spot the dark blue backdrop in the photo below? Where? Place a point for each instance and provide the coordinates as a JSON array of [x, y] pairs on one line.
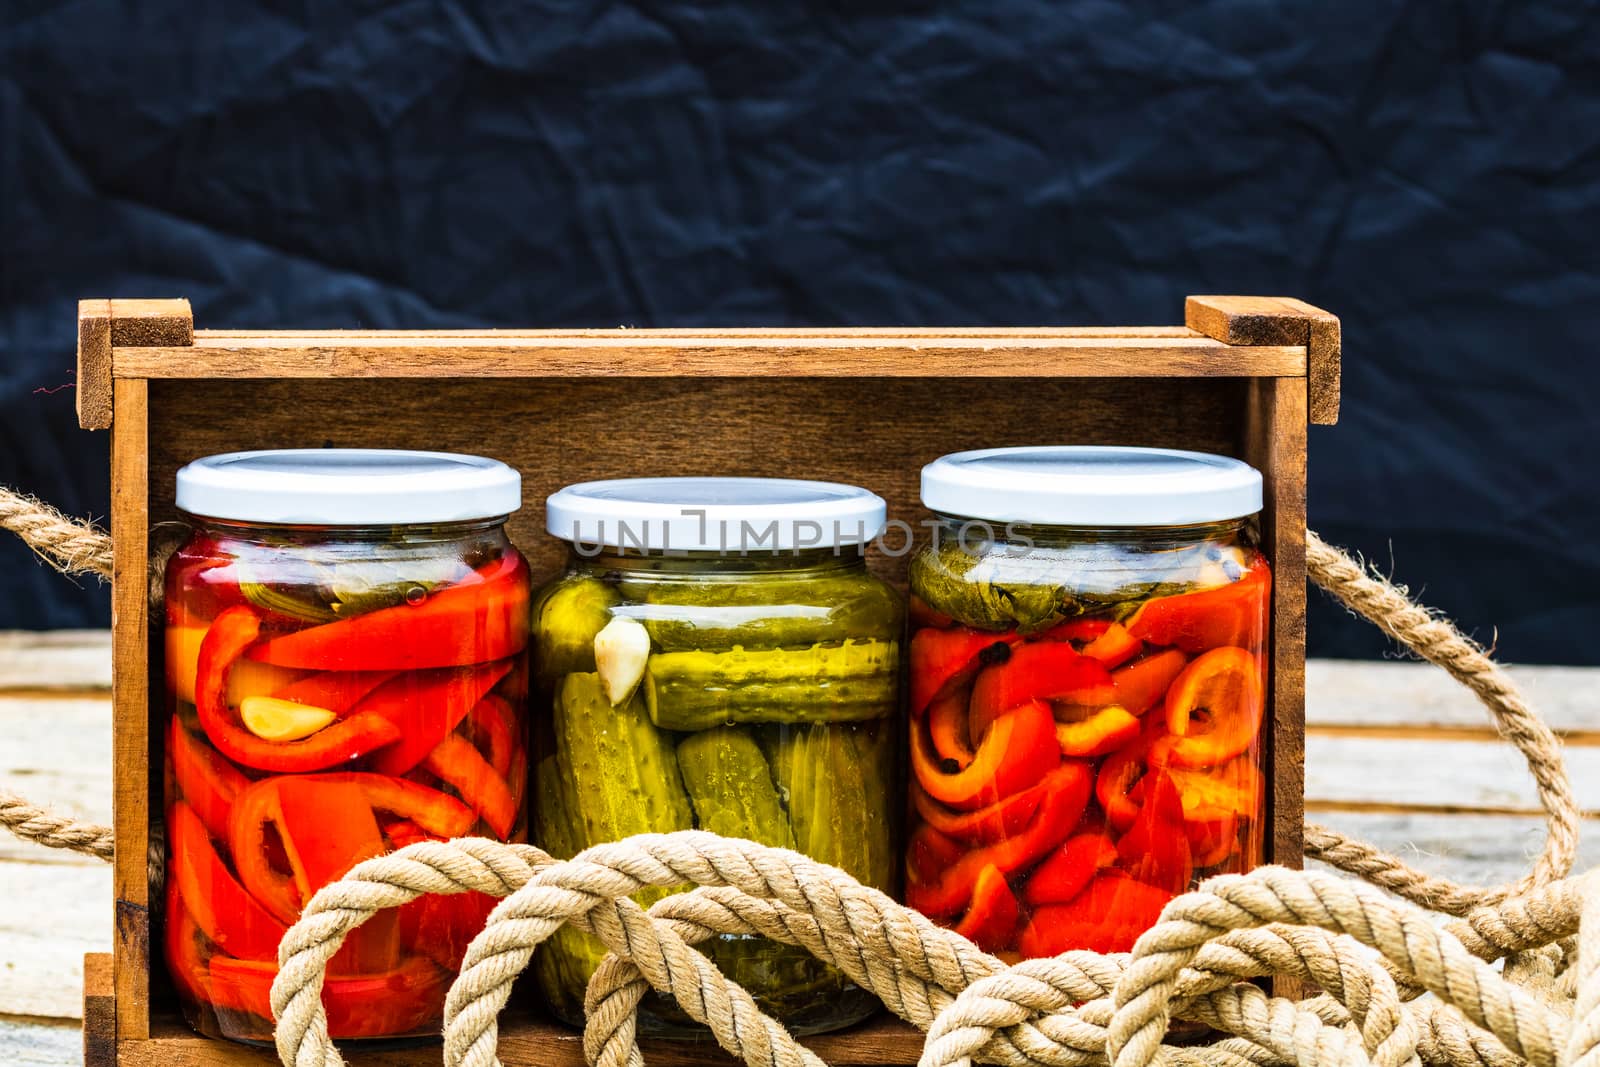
[[1430, 172]]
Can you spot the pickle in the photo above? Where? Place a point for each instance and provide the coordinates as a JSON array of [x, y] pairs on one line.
[[566, 618], [622, 768], [761, 613], [730, 786], [840, 683], [832, 779], [613, 774]]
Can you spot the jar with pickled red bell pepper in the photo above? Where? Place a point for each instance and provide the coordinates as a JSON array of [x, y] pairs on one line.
[[345, 659], [1088, 663], [718, 657]]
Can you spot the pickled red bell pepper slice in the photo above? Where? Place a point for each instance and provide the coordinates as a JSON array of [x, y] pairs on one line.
[[1229, 789], [1114, 647], [426, 707], [457, 763], [184, 961], [228, 915], [947, 725], [1108, 916], [1015, 752], [231, 633], [1214, 707], [930, 853], [494, 730], [1064, 874], [1115, 785], [1059, 811], [924, 615], [1083, 630], [1142, 684], [338, 691], [482, 618], [991, 918], [1155, 850], [207, 783], [1038, 670], [404, 1000], [938, 656], [1233, 614], [1212, 840], [441, 927], [323, 844], [1105, 729], [403, 832], [1004, 818]]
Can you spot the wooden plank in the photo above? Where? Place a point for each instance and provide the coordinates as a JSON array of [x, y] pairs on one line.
[[1481, 850], [55, 661], [151, 323], [1386, 775], [94, 364], [524, 1042], [99, 1011], [58, 753], [54, 913], [132, 781], [734, 331], [1274, 433], [1278, 320], [1419, 699], [644, 353], [26, 1042]]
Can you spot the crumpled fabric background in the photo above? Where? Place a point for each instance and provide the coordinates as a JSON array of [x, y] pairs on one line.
[[1429, 172]]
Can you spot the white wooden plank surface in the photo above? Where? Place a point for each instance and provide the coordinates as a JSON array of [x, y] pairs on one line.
[[1391, 693], [55, 659], [28, 1042]]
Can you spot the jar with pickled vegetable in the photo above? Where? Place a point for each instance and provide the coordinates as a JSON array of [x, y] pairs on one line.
[[717, 656], [1088, 663], [345, 659]]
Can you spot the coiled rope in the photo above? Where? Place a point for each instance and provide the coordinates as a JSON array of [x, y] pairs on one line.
[[1397, 988]]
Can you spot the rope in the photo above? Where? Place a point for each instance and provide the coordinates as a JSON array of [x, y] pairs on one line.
[[1373, 956]]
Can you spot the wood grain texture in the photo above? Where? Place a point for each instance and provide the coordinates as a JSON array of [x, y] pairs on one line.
[[151, 323], [648, 353], [1278, 320], [1274, 441], [876, 432], [527, 1042], [133, 777], [94, 364], [55, 661], [99, 1011], [1385, 774], [1419, 700]]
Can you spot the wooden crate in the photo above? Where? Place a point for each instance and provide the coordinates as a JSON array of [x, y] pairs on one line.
[[1244, 377]]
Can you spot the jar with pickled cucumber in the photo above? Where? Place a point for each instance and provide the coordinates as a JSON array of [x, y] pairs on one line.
[[1088, 666], [346, 673], [717, 656]]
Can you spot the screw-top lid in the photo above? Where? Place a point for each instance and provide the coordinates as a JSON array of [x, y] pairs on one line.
[[1090, 485], [715, 514], [348, 487]]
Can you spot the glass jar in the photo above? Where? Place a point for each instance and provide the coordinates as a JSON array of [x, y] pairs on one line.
[[346, 636], [1088, 670], [717, 656]]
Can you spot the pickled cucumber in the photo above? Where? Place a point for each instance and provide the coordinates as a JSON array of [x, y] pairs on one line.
[[762, 613], [840, 683], [622, 767], [566, 618], [730, 786], [612, 775], [832, 779]]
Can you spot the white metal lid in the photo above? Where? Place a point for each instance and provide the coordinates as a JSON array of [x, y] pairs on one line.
[[1092, 485], [715, 514], [348, 487]]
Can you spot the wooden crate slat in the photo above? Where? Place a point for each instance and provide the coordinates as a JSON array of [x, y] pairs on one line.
[[1279, 320], [641, 353]]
